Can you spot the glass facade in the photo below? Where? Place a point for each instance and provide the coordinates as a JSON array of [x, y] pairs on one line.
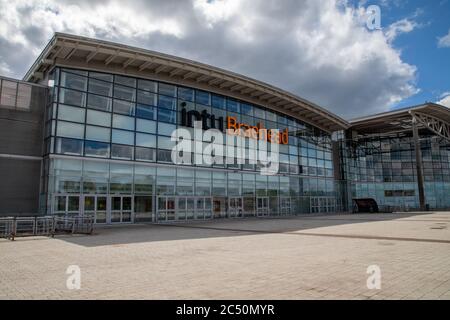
[[108, 143], [108, 153], [385, 168]]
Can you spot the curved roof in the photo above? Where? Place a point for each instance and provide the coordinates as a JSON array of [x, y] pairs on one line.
[[434, 117], [86, 53]]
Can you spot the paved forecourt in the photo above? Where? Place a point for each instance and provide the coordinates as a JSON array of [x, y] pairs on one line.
[[307, 257]]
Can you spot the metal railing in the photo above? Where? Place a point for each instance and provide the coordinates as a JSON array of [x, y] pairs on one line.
[[12, 227]]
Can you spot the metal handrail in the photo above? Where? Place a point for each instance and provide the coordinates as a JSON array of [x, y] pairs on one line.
[[12, 227]]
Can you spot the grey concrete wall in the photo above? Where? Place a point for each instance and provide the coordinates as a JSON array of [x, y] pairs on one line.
[[19, 187], [21, 134]]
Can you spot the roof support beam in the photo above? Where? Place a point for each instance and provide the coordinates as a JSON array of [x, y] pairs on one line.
[[202, 78], [274, 99], [225, 84], [70, 54], [265, 96], [188, 75], [281, 103], [91, 55], [58, 51], [160, 69], [175, 71], [436, 125], [145, 65], [256, 94], [235, 87], [111, 58], [245, 91], [128, 62], [215, 81]]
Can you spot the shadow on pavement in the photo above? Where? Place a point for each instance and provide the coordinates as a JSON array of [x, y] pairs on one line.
[[299, 225]]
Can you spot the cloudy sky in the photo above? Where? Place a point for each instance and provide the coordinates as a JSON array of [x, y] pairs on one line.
[[321, 50]]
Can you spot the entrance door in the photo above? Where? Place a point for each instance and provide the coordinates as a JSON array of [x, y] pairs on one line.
[[262, 206], [219, 207], [166, 208], [203, 208], [235, 207], [95, 206], [66, 205], [285, 205], [121, 209]]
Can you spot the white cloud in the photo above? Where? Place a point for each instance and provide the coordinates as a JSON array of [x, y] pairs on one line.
[[318, 49], [399, 27], [445, 99], [444, 41]]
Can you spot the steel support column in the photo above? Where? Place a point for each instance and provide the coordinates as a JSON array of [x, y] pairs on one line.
[[419, 165]]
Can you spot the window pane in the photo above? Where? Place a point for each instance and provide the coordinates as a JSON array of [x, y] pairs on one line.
[[145, 154], [71, 113], [99, 102], [145, 126], [70, 130], [165, 143], [146, 112], [166, 129], [72, 97], [101, 76], [246, 109], [271, 116], [96, 149], [127, 81], [122, 152], [145, 140], [99, 118], [124, 107], [123, 122], [9, 93], [123, 137], [218, 101], [259, 113], [23, 96], [98, 133], [167, 115], [167, 89], [186, 94], [100, 87], [69, 146], [202, 97], [124, 93], [73, 81], [233, 105], [147, 98], [167, 102], [147, 85], [164, 155]]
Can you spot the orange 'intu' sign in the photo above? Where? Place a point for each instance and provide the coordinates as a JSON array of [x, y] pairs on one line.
[[257, 132]]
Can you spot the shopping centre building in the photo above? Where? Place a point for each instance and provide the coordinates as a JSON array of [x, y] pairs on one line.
[[88, 132]]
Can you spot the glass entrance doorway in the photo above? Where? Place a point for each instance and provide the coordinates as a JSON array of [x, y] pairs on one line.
[[185, 208], [95, 206], [121, 209], [285, 205], [166, 209], [235, 207], [203, 208], [219, 207], [262, 206]]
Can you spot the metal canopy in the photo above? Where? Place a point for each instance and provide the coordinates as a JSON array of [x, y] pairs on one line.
[[430, 116], [92, 54]]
